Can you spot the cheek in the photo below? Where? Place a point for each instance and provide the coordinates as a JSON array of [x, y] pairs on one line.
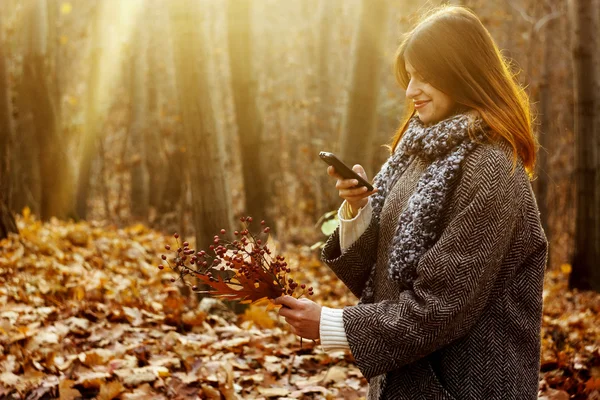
[[444, 105], [446, 102]]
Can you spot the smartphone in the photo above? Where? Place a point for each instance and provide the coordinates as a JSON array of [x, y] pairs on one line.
[[342, 169]]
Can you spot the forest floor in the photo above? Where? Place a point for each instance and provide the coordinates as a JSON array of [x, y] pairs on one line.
[[85, 313]]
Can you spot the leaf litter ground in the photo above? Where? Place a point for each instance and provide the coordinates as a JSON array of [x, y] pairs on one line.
[[85, 313]]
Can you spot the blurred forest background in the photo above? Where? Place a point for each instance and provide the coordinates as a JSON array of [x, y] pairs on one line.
[[183, 115]]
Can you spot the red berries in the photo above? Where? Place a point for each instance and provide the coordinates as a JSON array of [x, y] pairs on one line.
[[247, 258]]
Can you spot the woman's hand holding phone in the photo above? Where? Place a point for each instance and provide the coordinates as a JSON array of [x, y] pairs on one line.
[[356, 197]]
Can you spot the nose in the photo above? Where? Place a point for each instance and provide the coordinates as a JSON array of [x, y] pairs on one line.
[[413, 89]]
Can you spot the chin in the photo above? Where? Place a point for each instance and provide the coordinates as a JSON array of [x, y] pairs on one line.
[[426, 121]]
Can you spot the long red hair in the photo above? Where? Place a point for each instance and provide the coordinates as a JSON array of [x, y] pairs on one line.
[[456, 54]]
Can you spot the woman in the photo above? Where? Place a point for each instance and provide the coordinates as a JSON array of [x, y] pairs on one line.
[[447, 255]]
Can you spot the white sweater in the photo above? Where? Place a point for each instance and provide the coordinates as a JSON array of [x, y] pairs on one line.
[[331, 327]]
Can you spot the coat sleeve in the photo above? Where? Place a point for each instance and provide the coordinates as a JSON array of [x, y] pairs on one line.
[[354, 264], [454, 277]]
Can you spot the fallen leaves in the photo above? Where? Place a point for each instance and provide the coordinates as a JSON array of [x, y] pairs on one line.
[[111, 390], [570, 360], [85, 314], [257, 314], [66, 390]]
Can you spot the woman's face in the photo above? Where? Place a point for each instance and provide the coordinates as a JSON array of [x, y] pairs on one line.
[[431, 104]]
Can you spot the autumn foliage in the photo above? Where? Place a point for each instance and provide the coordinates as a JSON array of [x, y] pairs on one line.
[[84, 314], [242, 270]]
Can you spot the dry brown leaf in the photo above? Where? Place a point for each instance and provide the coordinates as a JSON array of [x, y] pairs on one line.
[[92, 379], [335, 374], [144, 392], [592, 384], [302, 393], [259, 316], [273, 392], [110, 390], [9, 379], [226, 385], [210, 392], [136, 376], [78, 237], [96, 357], [552, 394], [193, 318], [66, 391]]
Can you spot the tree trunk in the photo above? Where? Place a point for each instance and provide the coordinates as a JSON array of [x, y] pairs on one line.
[[585, 274], [546, 127], [204, 147], [155, 156], [92, 120], [360, 119], [326, 18], [7, 220], [326, 131], [138, 109], [55, 171], [248, 117], [25, 159]]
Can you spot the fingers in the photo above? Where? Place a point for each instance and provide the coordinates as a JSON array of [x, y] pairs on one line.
[[348, 189], [287, 313], [345, 183], [288, 301], [353, 193], [331, 172], [360, 171]]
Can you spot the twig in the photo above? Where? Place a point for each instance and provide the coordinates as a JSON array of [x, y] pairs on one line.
[[289, 374]]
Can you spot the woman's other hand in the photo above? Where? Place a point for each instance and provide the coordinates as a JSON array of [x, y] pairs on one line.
[[303, 315], [357, 197]]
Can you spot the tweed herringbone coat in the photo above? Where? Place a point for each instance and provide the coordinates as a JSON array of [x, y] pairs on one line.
[[469, 326]]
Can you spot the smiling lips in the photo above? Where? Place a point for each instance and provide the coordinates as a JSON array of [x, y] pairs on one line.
[[420, 104]]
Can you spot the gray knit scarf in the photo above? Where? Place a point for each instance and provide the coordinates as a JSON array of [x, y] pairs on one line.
[[444, 146]]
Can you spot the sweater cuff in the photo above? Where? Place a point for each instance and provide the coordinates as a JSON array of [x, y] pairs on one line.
[[331, 330], [352, 228]]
